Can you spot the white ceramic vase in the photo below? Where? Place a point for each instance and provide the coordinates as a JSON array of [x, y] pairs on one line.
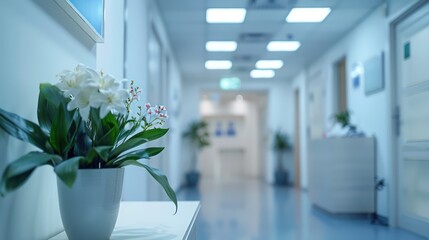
[[90, 208]]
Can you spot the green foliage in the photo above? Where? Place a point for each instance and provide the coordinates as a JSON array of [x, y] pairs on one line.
[[158, 176], [67, 170], [20, 170], [69, 143], [198, 133], [343, 118], [281, 141], [23, 130]]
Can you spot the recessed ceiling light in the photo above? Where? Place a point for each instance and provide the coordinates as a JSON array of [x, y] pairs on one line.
[[269, 64], [221, 64], [225, 15], [285, 46], [305, 15], [221, 46], [262, 73]]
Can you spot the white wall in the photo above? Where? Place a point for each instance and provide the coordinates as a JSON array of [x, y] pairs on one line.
[[110, 53], [38, 41], [175, 146], [242, 148], [278, 115], [141, 16], [371, 113], [136, 69]]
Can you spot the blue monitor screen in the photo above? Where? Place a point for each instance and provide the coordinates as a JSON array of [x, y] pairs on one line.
[[92, 10]]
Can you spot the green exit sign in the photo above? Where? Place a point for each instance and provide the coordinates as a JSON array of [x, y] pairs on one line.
[[230, 83]]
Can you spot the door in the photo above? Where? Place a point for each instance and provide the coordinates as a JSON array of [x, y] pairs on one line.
[[316, 105], [342, 84], [297, 141], [412, 59]]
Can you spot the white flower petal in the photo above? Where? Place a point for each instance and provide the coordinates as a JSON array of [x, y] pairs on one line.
[[97, 99], [72, 105], [121, 109], [91, 73], [123, 95], [104, 110], [84, 112]]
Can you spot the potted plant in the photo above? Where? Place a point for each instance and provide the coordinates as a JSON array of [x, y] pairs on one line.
[[280, 146], [87, 133], [197, 133], [343, 118]]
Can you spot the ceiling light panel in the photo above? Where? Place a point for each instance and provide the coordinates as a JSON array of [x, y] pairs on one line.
[[218, 64], [269, 64], [221, 46], [225, 15], [262, 73], [307, 15], [283, 46]]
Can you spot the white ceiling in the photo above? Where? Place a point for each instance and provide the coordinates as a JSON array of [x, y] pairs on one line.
[[188, 32]]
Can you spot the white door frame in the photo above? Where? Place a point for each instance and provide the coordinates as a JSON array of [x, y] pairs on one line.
[[394, 22]]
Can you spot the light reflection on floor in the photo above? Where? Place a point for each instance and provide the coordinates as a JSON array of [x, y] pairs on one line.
[[250, 209]]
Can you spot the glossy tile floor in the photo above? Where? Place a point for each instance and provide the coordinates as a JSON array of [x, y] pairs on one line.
[[249, 209]]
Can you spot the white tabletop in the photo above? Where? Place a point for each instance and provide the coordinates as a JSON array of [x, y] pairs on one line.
[[153, 220]]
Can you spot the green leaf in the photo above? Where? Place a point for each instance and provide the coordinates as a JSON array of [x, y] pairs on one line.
[[49, 99], [151, 134], [63, 130], [136, 155], [83, 142], [127, 145], [103, 152], [17, 172], [96, 127], [67, 170], [23, 129], [73, 133], [53, 94], [124, 132], [59, 131], [109, 138], [138, 139], [159, 177]]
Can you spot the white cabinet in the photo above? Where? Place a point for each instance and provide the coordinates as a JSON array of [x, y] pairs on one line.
[[342, 174]]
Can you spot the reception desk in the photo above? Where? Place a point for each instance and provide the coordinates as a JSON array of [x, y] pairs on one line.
[[342, 174]]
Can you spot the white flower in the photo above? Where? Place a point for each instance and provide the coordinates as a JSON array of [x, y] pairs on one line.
[[72, 81], [106, 82], [82, 102], [89, 89], [110, 101]]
